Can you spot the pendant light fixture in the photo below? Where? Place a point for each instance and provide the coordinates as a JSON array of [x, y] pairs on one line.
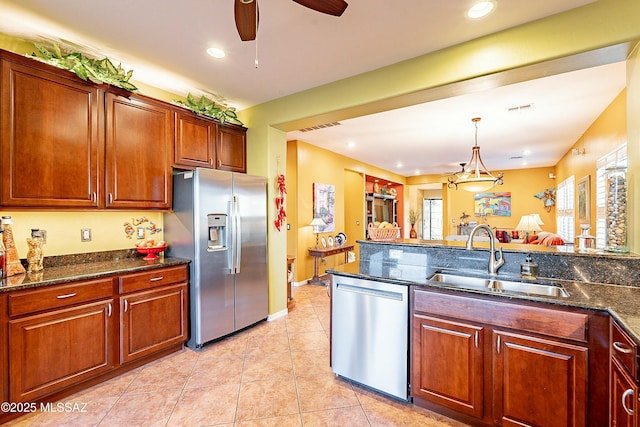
[[474, 176]]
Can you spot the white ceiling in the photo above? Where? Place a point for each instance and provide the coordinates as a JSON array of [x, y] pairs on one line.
[[164, 42]]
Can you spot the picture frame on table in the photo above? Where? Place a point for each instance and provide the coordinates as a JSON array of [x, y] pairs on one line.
[[584, 200]]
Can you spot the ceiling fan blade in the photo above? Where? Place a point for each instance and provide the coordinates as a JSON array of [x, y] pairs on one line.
[[330, 7], [246, 15]]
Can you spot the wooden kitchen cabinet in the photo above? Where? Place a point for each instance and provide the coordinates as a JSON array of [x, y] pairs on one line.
[[195, 142], [625, 379], [499, 363], [139, 135], [50, 138], [538, 382], [153, 312], [231, 148], [448, 366], [54, 350]]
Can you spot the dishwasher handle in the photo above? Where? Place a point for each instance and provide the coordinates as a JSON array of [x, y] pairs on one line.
[[378, 293]]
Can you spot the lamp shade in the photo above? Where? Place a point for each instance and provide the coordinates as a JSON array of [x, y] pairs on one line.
[[528, 223], [537, 218], [318, 222]]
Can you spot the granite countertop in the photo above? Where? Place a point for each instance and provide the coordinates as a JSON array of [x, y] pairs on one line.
[[621, 302], [57, 274]]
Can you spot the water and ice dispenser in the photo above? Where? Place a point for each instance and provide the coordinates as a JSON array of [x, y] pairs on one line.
[[217, 224]]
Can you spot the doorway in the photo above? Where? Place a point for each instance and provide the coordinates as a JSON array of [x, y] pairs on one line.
[[432, 219]]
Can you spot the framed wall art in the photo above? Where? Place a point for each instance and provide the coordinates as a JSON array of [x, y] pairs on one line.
[[324, 205], [496, 204], [584, 200]]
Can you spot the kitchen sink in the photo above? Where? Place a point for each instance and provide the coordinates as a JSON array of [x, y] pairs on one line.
[[499, 285]]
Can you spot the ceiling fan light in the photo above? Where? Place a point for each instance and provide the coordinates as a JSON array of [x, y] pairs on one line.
[[216, 52]]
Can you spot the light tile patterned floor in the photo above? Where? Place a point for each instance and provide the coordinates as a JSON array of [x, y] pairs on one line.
[[274, 374]]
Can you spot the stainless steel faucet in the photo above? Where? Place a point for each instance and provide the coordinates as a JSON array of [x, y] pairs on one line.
[[494, 264]]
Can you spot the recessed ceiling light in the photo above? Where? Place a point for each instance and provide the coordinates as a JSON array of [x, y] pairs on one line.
[[351, 145], [480, 9], [399, 165], [216, 52]]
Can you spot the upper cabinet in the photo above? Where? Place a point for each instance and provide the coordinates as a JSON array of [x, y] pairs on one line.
[[49, 137], [67, 143], [195, 141], [231, 148], [139, 135]]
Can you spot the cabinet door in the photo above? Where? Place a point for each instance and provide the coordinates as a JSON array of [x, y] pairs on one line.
[[195, 141], [139, 135], [50, 139], [538, 382], [624, 398], [51, 351], [231, 146], [447, 364], [152, 320]]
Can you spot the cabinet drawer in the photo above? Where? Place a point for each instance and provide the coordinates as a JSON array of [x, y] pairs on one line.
[[624, 349], [152, 279], [31, 301], [555, 323]]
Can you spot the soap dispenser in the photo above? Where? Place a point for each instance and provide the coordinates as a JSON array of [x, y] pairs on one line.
[[528, 269]]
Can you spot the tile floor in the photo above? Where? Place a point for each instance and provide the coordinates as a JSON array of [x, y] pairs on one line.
[[274, 374]]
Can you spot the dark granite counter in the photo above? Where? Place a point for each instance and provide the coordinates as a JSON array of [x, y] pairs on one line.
[[412, 264], [56, 272]]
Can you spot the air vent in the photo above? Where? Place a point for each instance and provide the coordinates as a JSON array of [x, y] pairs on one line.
[[515, 157], [520, 108], [323, 126]]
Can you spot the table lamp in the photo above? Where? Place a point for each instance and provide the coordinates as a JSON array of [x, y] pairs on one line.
[[528, 223], [317, 222]]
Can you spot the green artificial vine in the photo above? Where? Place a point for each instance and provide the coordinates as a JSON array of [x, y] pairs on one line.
[[206, 107], [95, 70]]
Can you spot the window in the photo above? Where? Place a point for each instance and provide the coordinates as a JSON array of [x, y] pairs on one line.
[[432, 224], [565, 201], [616, 158]]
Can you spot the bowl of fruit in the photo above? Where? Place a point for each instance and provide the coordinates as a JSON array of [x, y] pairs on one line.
[[150, 248]]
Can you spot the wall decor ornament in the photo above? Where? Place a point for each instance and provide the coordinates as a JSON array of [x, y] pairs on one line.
[[324, 201], [548, 198], [281, 214], [496, 204], [583, 192]]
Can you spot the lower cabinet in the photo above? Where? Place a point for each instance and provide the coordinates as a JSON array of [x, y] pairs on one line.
[[625, 379], [449, 367], [51, 351], [152, 320], [538, 382], [63, 336], [487, 362]]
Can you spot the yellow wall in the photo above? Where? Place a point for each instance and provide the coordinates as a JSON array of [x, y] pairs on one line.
[[605, 134], [63, 230], [314, 164], [633, 146]]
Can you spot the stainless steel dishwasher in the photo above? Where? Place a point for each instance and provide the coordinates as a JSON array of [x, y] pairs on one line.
[[370, 335]]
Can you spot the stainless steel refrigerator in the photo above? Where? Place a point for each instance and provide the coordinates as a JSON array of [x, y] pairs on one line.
[[219, 221]]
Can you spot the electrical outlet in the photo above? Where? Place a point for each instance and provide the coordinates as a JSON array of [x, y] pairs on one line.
[[140, 232], [85, 235], [43, 233]]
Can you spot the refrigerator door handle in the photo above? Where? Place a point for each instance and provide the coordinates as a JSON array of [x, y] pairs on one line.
[[231, 238], [238, 235]]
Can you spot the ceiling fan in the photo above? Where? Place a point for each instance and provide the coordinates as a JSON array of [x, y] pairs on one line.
[[246, 13]]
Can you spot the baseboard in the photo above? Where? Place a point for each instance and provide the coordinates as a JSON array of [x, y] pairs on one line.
[[277, 315]]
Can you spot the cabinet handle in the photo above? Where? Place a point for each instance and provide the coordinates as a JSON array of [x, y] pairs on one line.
[[155, 279], [219, 162], [94, 197], [618, 346], [475, 339], [109, 310], [67, 296], [498, 344], [110, 198], [626, 394], [126, 305]]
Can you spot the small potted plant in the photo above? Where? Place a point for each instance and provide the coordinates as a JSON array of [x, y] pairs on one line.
[[413, 218]]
